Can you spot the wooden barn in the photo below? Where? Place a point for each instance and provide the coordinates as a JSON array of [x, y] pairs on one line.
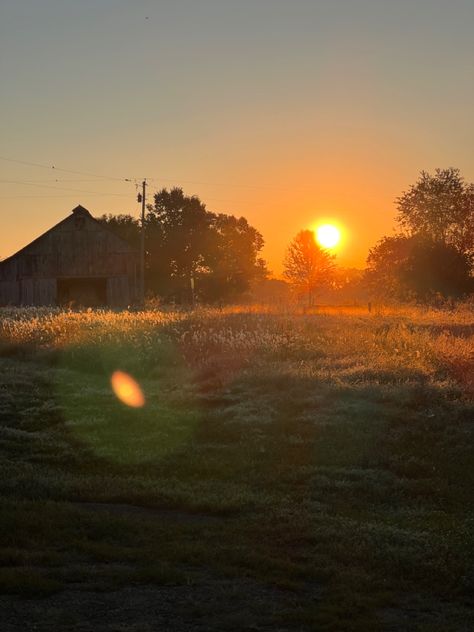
[[78, 262]]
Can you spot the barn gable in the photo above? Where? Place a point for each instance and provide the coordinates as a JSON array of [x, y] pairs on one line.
[[76, 262]]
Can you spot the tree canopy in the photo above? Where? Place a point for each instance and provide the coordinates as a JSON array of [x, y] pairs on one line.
[[233, 260], [432, 254], [125, 226], [440, 207], [188, 246], [418, 267], [308, 267]]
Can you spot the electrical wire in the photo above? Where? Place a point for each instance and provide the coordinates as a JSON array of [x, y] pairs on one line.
[[212, 184], [60, 180], [49, 197], [135, 181], [47, 186], [80, 173]]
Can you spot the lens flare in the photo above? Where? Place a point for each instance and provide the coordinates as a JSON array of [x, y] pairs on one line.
[[127, 390]]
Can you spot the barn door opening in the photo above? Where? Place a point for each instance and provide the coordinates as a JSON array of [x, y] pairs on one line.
[[82, 292]]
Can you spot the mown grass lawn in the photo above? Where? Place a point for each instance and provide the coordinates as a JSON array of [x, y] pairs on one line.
[[287, 472]]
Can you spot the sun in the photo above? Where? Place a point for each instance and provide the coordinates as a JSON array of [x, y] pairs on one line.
[[328, 235]]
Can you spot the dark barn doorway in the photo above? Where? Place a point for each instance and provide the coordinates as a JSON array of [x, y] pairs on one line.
[[82, 292]]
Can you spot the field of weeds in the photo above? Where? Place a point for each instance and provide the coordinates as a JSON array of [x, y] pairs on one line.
[[287, 471]]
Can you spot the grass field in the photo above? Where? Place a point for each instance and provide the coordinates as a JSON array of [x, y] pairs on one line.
[[287, 471]]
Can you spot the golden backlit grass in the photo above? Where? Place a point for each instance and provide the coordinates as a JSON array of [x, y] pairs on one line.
[[403, 338], [326, 457]]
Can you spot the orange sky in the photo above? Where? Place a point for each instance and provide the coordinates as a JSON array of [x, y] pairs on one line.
[[286, 113], [359, 197]]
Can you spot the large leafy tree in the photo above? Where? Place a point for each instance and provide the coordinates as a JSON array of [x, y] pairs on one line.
[[178, 241], [434, 250], [441, 207], [234, 262], [308, 267], [188, 245]]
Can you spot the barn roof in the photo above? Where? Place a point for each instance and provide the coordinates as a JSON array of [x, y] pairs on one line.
[[79, 210]]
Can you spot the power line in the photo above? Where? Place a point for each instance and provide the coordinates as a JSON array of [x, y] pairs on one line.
[[49, 197], [80, 173], [219, 184], [137, 180], [48, 186], [142, 198], [60, 180], [98, 193]]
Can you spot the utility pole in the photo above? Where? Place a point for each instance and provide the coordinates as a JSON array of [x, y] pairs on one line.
[[142, 244]]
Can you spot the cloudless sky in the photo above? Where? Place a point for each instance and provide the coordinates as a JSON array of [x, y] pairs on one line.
[[284, 111]]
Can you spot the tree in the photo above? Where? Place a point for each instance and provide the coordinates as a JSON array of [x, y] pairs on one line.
[[233, 262], [187, 244], [436, 268], [307, 266], [433, 254], [384, 263], [418, 267], [441, 207], [178, 240], [125, 226]]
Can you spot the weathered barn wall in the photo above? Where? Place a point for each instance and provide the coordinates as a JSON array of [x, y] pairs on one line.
[[9, 293], [78, 248], [117, 289], [37, 291]]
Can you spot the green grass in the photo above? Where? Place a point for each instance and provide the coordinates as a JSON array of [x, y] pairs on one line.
[[328, 459]]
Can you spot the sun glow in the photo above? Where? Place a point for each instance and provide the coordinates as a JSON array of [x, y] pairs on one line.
[[328, 236], [127, 390]]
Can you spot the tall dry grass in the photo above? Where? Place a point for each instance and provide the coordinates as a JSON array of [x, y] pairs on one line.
[[341, 343]]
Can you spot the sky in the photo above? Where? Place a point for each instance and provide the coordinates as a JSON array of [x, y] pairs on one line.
[[286, 112]]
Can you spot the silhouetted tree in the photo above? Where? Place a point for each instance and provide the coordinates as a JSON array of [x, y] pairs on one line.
[[233, 258], [307, 266], [441, 207], [125, 226], [418, 267], [434, 252], [187, 244], [178, 242]]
